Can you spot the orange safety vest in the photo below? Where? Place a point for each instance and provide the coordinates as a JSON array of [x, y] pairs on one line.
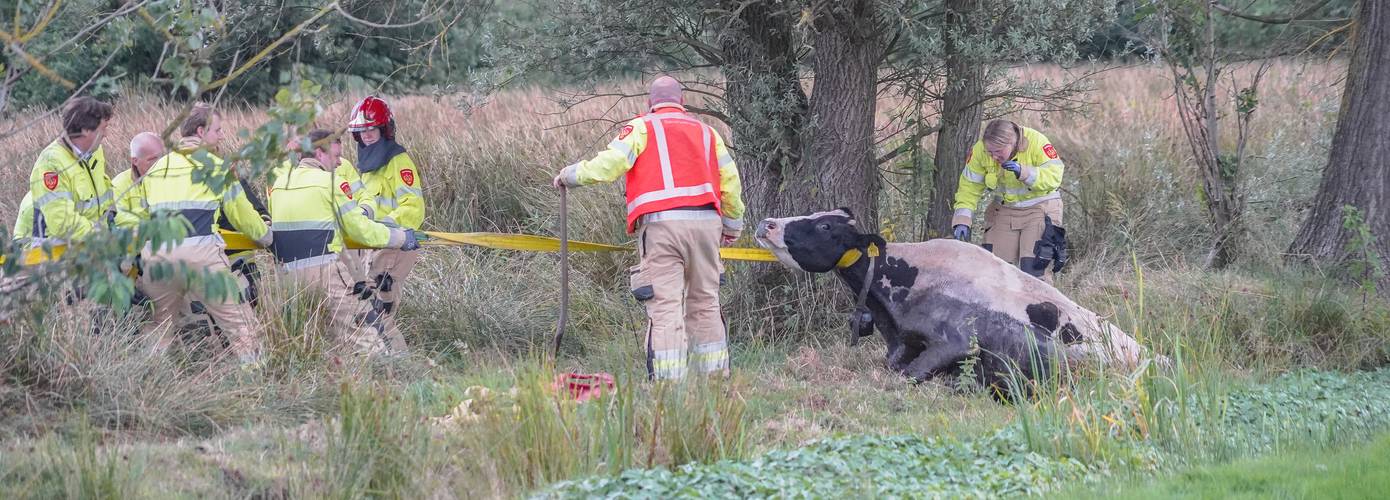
[[677, 168]]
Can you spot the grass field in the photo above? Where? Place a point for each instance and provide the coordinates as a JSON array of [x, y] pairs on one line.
[[85, 415]]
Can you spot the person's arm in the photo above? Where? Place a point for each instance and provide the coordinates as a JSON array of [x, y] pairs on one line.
[[243, 215], [358, 227], [350, 183], [612, 162], [410, 199], [1047, 176], [730, 189], [971, 186]]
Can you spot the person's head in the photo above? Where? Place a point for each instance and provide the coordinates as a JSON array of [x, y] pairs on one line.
[[85, 120], [1003, 140], [665, 91], [204, 123], [328, 147], [145, 149], [371, 120]]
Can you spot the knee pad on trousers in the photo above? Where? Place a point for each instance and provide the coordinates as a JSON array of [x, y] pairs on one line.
[[384, 282], [361, 290]]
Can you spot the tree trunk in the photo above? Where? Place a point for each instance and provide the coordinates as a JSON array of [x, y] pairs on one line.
[[840, 170], [1356, 173], [766, 104], [962, 108]]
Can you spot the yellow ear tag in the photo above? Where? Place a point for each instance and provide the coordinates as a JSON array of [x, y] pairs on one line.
[[849, 258], [852, 255]]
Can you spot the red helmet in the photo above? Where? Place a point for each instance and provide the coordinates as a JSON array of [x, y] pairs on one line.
[[372, 112]]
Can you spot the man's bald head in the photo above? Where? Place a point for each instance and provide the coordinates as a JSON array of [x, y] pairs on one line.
[[145, 149], [665, 90]]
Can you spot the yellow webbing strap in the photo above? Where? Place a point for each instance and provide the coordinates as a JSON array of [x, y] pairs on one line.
[[498, 241]]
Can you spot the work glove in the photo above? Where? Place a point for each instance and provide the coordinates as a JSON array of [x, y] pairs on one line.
[[961, 232], [1014, 167], [567, 177], [729, 230], [411, 243]]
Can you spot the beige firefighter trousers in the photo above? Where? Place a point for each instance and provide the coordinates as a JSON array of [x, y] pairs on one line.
[[351, 319], [1013, 234], [677, 281], [395, 264], [172, 295]]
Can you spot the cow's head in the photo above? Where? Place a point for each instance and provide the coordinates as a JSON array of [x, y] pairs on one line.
[[816, 242]]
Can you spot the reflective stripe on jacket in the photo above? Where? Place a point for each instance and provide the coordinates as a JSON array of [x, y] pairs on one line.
[[131, 206]]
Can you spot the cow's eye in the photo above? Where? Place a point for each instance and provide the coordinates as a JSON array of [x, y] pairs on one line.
[[824, 227]]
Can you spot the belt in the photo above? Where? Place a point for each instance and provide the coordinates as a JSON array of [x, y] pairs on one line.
[[681, 214], [309, 262], [1034, 201], [211, 239]]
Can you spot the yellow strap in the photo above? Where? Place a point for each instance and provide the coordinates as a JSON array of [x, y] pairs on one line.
[[852, 255], [499, 241]]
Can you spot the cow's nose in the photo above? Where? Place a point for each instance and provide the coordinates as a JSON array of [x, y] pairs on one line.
[[765, 226]]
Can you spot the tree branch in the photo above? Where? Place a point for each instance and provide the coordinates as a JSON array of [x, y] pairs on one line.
[[1301, 16]]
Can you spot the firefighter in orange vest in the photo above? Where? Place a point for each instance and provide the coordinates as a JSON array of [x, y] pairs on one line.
[[683, 201]]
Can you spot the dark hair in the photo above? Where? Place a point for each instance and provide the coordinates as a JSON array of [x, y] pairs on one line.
[[317, 136], [83, 114], [199, 117]]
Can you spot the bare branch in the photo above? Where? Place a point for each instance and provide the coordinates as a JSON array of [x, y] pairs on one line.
[[1299, 17]]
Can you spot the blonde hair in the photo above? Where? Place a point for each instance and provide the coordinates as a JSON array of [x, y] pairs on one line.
[[1005, 133]]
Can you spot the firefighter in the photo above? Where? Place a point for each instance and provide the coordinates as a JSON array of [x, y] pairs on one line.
[[1026, 228], [170, 188], [350, 184], [68, 186], [393, 183], [683, 202], [310, 215], [131, 207]]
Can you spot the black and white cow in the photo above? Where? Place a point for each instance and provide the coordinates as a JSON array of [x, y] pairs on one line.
[[938, 301]]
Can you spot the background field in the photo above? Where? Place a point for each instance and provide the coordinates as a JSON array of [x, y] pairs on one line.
[[92, 414]]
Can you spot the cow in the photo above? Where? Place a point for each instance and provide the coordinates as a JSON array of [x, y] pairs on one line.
[[940, 303]]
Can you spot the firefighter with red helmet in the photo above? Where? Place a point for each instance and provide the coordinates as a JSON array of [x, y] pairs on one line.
[[393, 183]]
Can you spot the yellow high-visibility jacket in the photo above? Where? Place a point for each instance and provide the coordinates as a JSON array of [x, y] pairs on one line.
[[70, 193], [1042, 175], [310, 213], [131, 206], [350, 183], [24, 220], [169, 187], [621, 155], [396, 192]]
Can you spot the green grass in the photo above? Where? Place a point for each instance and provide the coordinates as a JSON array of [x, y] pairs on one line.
[[1358, 471], [1037, 455]]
